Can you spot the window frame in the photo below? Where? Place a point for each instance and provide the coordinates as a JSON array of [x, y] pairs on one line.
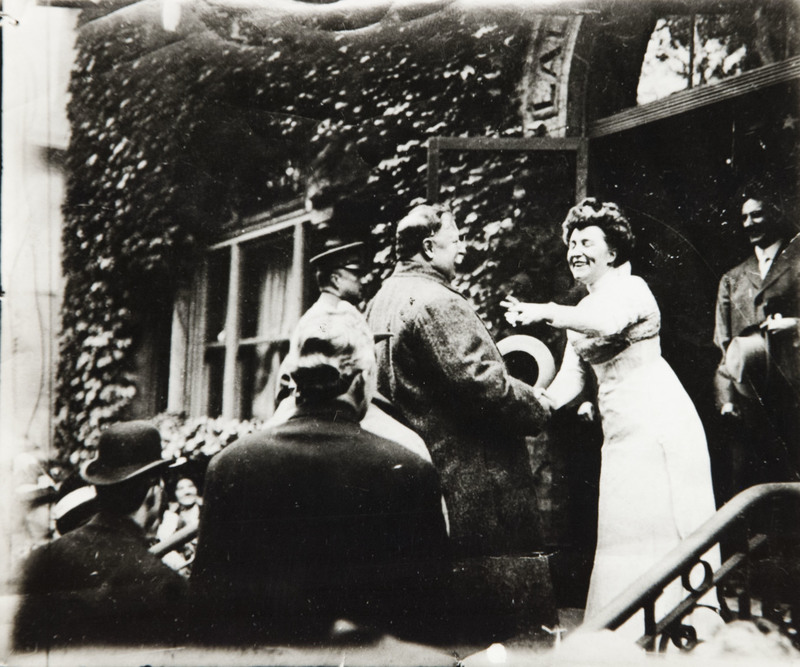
[[189, 372], [690, 99]]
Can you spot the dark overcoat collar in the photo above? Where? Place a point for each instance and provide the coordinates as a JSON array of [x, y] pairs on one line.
[[335, 411], [117, 523]]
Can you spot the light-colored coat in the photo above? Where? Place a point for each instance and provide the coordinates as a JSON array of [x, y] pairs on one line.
[[443, 372]]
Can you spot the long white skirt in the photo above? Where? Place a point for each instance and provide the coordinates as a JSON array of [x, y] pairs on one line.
[[655, 476]]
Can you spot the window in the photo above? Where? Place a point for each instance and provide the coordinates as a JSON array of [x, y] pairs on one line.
[[246, 302], [691, 50]]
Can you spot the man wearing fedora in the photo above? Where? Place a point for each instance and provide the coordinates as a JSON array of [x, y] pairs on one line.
[[756, 329], [98, 583]]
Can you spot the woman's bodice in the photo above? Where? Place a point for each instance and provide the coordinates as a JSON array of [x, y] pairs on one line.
[[602, 349], [629, 306], [631, 322]]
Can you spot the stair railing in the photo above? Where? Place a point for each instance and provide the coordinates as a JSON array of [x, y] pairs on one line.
[[678, 563], [682, 560], [174, 541]]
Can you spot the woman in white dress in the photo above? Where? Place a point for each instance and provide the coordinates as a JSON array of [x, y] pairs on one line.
[[655, 479]]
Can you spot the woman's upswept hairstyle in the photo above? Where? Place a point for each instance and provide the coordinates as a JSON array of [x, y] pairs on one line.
[[591, 212], [420, 223], [332, 348]]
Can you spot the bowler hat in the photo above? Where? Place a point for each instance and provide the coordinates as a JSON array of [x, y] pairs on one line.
[[341, 255], [125, 450], [747, 360], [528, 359]]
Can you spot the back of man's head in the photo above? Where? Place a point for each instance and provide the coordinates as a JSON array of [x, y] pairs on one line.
[[420, 223], [333, 349], [125, 497]]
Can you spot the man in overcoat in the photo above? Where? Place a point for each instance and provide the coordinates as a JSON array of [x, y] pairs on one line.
[[338, 271], [99, 584], [758, 320], [316, 519], [443, 372]]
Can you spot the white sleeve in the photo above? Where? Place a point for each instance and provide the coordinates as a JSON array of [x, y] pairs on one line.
[[615, 310], [570, 379]]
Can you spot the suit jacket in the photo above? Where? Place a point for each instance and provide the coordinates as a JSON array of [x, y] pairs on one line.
[[736, 311], [743, 301], [780, 295], [99, 584], [443, 372], [316, 519]]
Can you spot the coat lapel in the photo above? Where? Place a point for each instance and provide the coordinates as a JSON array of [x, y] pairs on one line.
[[779, 265], [751, 273]]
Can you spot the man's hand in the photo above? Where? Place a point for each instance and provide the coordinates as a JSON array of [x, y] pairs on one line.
[[586, 412], [544, 399], [777, 323], [729, 410]]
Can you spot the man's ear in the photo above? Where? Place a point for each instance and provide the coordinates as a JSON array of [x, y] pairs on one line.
[[358, 388], [427, 248]]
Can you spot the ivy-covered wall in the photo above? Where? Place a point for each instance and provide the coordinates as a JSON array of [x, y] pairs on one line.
[[176, 134]]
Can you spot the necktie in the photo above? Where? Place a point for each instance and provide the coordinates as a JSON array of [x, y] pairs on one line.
[[763, 264]]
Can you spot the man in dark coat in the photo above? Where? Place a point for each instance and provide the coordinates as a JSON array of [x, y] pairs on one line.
[[443, 372], [757, 318], [98, 584], [316, 519]]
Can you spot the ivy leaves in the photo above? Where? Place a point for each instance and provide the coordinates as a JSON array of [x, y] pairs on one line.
[[176, 134]]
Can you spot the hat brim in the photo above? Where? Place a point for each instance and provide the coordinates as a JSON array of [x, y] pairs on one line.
[[36, 495], [343, 253], [537, 352], [74, 500], [747, 361], [101, 475]]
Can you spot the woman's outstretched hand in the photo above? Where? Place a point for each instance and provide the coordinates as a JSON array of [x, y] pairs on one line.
[[520, 313]]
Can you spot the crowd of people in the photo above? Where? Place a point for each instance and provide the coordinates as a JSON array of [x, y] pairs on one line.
[[399, 449]]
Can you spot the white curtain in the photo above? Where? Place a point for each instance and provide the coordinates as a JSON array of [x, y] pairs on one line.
[[276, 319]]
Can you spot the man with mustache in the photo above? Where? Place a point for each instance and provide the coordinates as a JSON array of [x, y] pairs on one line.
[[443, 372], [757, 329]]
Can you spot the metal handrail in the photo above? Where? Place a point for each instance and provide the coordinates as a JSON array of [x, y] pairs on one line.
[[643, 592], [175, 541], [677, 563]]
